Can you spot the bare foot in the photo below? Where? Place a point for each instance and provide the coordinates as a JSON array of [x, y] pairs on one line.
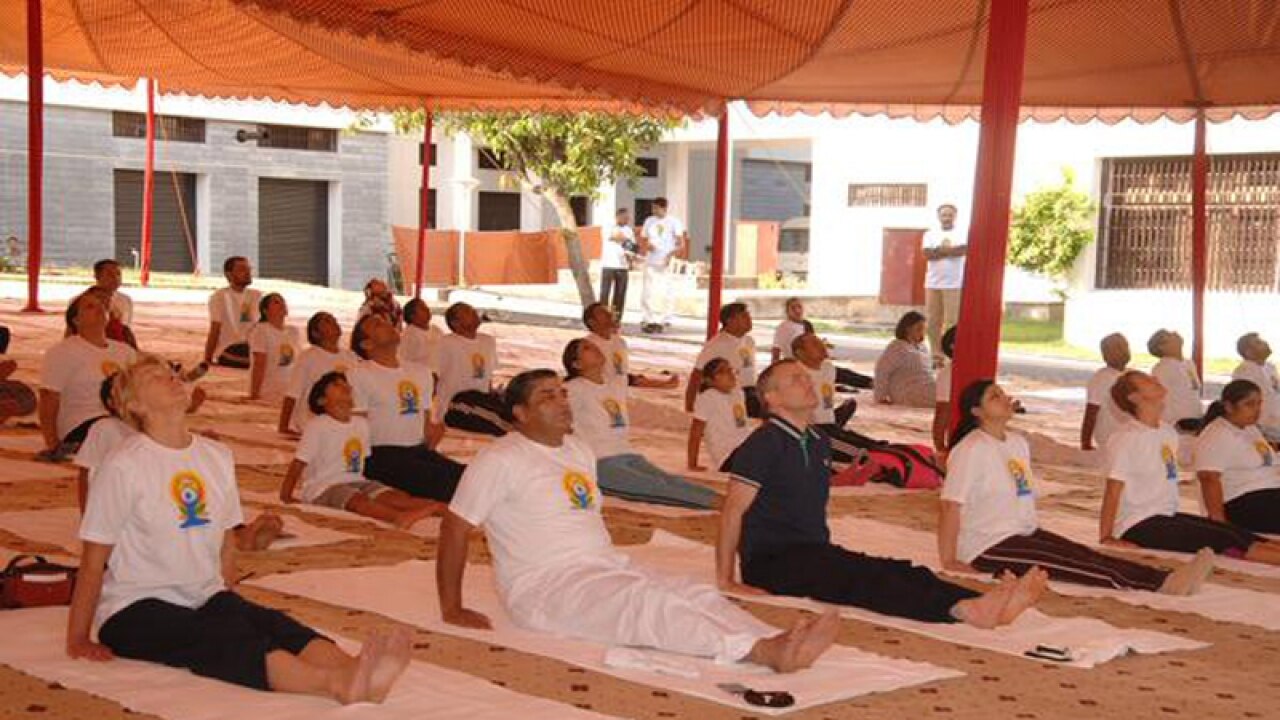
[[1026, 593], [269, 527], [984, 611], [399, 649], [800, 646], [351, 684], [1187, 579], [408, 518]]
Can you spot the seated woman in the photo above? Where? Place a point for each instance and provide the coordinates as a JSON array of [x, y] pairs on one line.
[[600, 420], [904, 374], [1140, 507], [167, 598], [330, 462], [988, 511], [273, 348], [324, 356], [1237, 469], [1183, 408]]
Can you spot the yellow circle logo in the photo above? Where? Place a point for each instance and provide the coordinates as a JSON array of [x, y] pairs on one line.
[[580, 489]]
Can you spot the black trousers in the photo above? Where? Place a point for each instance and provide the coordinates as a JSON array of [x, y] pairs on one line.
[[1188, 533], [416, 469], [833, 574], [4, 339], [78, 433], [227, 638], [754, 408], [1067, 561], [852, 378], [1258, 511], [235, 356], [478, 412], [845, 444], [614, 279]]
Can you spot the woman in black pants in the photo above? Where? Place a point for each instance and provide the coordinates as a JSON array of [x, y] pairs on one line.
[[1238, 470]]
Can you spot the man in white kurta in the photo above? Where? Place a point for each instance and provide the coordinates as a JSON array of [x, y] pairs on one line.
[[534, 493]]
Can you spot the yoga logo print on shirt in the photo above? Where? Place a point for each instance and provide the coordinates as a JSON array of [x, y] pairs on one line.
[[580, 489], [244, 311], [745, 353], [1170, 463], [1264, 452], [410, 398], [1019, 475], [739, 415], [617, 362], [477, 366], [109, 368], [187, 490], [353, 455], [286, 355], [828, 396], [1195, 381], [617, 418]]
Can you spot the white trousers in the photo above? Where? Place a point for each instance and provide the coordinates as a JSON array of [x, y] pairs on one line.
[[655, 295], [613, 601]]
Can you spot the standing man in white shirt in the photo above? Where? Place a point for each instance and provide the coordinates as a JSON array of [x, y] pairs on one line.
[[664, 237], [945, 248], [233, 311], [615, 263]]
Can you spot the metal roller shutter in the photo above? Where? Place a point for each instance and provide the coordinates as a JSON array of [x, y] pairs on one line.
[[173, 229], [293, 230]]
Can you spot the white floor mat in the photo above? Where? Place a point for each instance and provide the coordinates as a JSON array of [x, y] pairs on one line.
[[407, 592], [34, 642], [1091, 641]]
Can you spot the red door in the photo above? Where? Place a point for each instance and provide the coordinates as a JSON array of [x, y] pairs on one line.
[[902, 267]]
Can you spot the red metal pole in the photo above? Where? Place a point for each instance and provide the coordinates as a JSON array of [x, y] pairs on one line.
[[149, 182], [35, 152], [718, 224], [978, 337], [420, 271], [1199, 242]]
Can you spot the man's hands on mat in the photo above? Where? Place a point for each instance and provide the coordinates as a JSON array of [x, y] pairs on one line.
[[464, 617], [89, 650]]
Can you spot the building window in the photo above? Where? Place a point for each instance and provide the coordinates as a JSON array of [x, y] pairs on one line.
[[293, 137], [498, 211], [487, 159], [168, 127], [888, 195], [432, 208], [1144, 223], [435, 156], [648, 167]]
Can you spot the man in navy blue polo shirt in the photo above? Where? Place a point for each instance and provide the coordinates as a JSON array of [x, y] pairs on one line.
[[775, 519]]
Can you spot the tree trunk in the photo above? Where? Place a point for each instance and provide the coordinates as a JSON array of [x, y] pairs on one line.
[[572, 244]]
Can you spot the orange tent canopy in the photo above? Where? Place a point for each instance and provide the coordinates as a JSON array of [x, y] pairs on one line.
[[1086, 59]]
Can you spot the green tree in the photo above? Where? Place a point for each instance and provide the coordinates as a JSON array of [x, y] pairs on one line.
[[1051, 228], [557, 156]]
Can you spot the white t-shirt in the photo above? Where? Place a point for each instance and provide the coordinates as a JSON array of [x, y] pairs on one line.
[[539, 506], [75, 368], [727, 424], [1180, 379], [1242, 455], [617, 366], [785, 334], [824, 383], [166, 513], [664, 237], [1145, 459], [946, 273], [992, 481], [739, 351], [600, 416], [104, 437], [121, 307], [312, 364], [281, 348], [465, 364], [943, 383], [1110, 417], [612, 255], [1265, 377], [236, 313], [421, 346], [397, 401], [334, 453]]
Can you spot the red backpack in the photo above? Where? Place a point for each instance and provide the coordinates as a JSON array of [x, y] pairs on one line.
[[911, 467]]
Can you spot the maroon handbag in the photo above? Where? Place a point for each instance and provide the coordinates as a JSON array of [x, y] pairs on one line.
[[31, 581]]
